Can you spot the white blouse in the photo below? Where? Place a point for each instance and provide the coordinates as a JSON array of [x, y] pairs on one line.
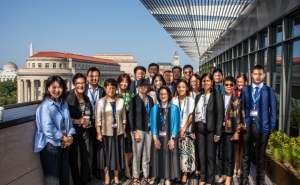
[[200, 110], [186, 108]]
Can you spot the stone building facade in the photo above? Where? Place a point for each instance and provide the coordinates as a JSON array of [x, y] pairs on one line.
[[8, 72], [126, 61], [32, 79]]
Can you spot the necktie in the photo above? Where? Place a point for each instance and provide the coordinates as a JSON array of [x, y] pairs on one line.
[[218, 88], [256, 91]]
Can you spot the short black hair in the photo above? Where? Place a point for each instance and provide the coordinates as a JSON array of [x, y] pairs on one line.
[[123, 76], [153, 64], [258, 67], [167, 71], [168, 91], [92, 69], [230, 78], [177, 67], [187, 66], [218, 70], [61, 83], [242, 75], [78, 75], [111, 82], [139, 68]]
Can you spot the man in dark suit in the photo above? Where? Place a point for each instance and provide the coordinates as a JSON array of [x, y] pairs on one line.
[[260, 112], [94, 92], [169, 79], [153, 69], [139, 73]]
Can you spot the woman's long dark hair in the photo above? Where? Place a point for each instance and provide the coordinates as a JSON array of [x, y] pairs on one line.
[[60, 82], [187, 85], [210, 76], [153, 79]]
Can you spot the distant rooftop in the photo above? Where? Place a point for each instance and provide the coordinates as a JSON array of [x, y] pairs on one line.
[[73, 56]]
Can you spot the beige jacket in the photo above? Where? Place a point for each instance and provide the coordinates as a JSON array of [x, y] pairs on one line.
[[104, 116]]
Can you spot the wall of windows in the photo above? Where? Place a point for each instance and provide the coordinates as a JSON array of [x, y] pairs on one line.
[[276, 47]]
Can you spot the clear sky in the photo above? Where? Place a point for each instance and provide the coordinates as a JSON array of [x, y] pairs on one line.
[[84, 27]]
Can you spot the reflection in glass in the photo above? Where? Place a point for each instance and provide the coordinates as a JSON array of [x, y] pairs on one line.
[[264, 39], [294, 26], [295, 100], [277, 34], [253, 44]]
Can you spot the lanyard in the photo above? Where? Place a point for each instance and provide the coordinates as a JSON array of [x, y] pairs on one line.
[[203, 112], [226, 106], [124, 97], [61, 113], [147, 107], [254, 99], [113, 109], [181, 110], [193, 94], [136, 91], [93, 97], [163, 117]]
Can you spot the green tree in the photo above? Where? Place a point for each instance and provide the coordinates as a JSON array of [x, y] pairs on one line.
[[8, 92]]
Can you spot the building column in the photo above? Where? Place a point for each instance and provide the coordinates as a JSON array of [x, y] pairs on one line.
[[69, 84], [32, 90], [20, 85], [25, 90], [42, 88]]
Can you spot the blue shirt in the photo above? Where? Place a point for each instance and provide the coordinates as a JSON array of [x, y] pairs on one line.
[[49, 121]]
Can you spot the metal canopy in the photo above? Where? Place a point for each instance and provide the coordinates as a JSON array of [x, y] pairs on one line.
[[195, 24]]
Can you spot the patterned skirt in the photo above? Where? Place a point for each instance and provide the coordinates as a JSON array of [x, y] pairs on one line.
[[187, 154]]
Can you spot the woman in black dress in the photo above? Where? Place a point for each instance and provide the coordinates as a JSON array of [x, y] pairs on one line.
[[165, 120]]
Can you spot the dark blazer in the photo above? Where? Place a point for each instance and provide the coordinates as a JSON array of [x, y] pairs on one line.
[[138, 117], [74, 108], [102, 92], [214, 113], [132, 87], [265, 105]]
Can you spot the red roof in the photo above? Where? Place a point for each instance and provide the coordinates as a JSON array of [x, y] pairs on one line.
[[73, 56]]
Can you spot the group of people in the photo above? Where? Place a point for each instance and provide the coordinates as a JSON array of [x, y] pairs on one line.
[[168, 125]]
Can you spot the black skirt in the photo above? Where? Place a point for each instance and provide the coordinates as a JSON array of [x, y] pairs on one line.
[[111, 153], [128, 141], [165, 162]]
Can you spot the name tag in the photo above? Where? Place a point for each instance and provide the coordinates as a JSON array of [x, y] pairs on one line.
[[115, 125], [148, 124], [224, 124], [162, 133], [253, 113]]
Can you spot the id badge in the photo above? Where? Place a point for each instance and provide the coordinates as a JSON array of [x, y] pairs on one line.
[[115, 125], [148, 124], [184, 136], [253, 113], [224, 124], [162, 133]]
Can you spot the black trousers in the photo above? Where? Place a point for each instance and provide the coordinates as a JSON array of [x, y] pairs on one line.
[[94, 145], [81, 140], [55, 164], [228, 148], [251, 136], [206, 152]]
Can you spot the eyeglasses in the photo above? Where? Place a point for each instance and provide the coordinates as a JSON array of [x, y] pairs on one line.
[[187, 72], [96, 76], [231, 85], [77, 83], [193, 81], [166, 94]]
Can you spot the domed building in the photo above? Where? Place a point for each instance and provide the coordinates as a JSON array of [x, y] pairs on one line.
[[8, 72]]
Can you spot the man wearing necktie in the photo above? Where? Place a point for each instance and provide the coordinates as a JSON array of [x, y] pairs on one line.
[[260, 114]]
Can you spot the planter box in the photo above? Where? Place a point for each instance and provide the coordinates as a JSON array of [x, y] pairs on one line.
[[278, 173]]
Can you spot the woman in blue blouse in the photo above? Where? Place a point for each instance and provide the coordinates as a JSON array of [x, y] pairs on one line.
[[54, 132], [165, 119]]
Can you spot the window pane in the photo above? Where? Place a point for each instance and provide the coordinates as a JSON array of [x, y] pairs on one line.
[[253, 44], [264, 39], [294, 26], [277, 34], [295, 101], [245, 47]]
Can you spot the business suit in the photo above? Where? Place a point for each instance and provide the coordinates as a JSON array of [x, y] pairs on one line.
[[139, 119], [258, 128], [205, 133], [93, 135], [81, 140], [132, 87]]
